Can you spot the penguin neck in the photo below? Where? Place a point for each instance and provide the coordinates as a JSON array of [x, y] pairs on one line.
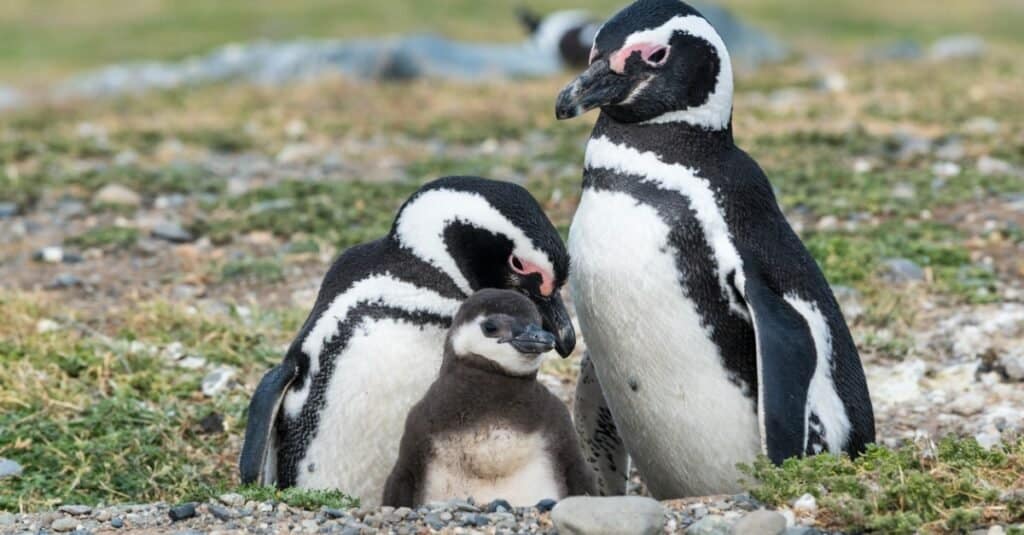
[[672, 142], [477, 366]]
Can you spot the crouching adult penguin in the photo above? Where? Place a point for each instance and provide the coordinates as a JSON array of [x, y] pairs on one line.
[[712, 332], [331, 415], [486, 428]]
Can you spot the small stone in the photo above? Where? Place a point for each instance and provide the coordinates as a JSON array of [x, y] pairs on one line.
[[232, 499], [335, 513], [182, 512], [989, 439], [498, 506], [988, 166], [434, 521], [952, 149], [75, 509], [981, 126], [902, 270], [118, 195], [117, 522], [446, 516], [968, 404], [64, 524], [103, 515], [402, 512], [211, 424], [584, 515], [51, 255], [1013, 363], [192, 362], [172, 232], [9, 468], [546, 505], [462, 505], [710, 525], [762, 522], [8, 209], [903, 191], [957, 47], [946, 169], [217, 381], [806, 504], [476, 520], [220, 512], [63, 281], [310, 525]]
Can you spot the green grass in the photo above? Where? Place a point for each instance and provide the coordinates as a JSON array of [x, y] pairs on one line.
[[105, 238], [952, 487], [305, 499]]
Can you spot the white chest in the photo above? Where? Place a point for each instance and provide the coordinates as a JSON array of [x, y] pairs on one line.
[[684, 422], [386, 367], [489, 463]]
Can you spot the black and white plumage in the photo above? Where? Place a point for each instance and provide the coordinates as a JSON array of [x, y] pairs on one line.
[[331, 415], [713, 333], [486, 428]]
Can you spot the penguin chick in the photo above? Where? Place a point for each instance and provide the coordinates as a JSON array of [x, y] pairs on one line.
[[486, 428]]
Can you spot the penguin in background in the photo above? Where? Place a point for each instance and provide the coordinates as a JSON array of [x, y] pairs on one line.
[[486, 428], [712, 334], [331, 415]]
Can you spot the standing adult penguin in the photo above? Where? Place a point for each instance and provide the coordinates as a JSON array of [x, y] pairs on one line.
[[713, 333], [332, 414]]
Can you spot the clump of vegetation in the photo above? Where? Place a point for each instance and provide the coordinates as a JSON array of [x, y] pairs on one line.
[[949, 487], [303, 498], [105, 238], [253, 269]]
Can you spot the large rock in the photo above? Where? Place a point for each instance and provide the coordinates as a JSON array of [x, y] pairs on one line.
[[710, 525], [761, 522], [619, 515]]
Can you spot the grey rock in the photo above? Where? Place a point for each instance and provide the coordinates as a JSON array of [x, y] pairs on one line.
[[710, 525], [217, 381], [910, 146], [64, 524], [182, 512], [901, 270], [75, 509], [9, 468], [802, 530], [988, 165], [951, 149], [434, 521], [6, 519], [498, 506], [619, 515], [172, 232], [64, 280], [117, 522], [1013, 363], [546, 505], [462, 505], [8, 209], [761, 522], [335, 513], [118, 195], [904, 50], [220, 512], [957, 47], [981, 126]]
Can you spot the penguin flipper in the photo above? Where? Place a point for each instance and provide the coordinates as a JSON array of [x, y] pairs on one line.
[[259, 430], [785, 363], [600, 441]]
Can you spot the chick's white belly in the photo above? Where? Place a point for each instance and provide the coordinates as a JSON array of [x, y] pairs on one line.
[[386, 367], [490, 463], [684, 423]]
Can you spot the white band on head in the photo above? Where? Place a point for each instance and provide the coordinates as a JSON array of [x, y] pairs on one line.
[[422, 223], [717, 110]]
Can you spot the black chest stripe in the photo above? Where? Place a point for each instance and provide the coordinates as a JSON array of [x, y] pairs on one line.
[[695, 263], [296, 434]]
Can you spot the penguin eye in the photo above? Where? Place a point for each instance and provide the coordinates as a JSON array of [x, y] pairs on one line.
[[489, 328], [517, 264], [655, 57]]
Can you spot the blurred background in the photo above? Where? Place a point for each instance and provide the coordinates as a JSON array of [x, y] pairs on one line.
[[176, 175]]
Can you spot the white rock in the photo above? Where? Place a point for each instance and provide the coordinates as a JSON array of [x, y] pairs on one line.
[[988, 165], [863, 165], [981, 126], [988, 439], [46, 325], [217, 381], [1013, 363], [51, 255], [116, 194], [760, 522], [806, 505], [897, 384], [618, 515], [968, 404], [192, 362], [957, 47], [955, 378], [946, 169]]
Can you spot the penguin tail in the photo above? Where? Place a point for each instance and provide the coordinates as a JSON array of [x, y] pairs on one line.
[[528, 18]]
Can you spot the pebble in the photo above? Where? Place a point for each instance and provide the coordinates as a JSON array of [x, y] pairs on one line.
[[498, 506], [63, 281], [902, 270], [1013, 363], [957, 47], [64, 524], [182, 512], [586, 515], [220, 512], [51, 255], [117, 522], [232, 499], [118, 195], [434, 520], [806, 504], [761, 522], [987, 165], [946, 169], [546, 505], [9, 468], [710, 525], [75, 509], [8, 209], [217, 381], [172, 232]]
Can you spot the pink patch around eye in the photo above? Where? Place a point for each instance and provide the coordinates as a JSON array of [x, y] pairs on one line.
[[524, 267], [654, 54]]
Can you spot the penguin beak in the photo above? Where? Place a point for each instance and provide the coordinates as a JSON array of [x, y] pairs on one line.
[[556, 320], [531, 339], [598, 86]]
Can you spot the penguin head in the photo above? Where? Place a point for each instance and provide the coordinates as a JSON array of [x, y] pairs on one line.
[[657, 61], [488, 234], [500, 330]]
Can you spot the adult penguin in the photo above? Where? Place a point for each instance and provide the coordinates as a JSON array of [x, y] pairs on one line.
[[331, 415], [714, 336]]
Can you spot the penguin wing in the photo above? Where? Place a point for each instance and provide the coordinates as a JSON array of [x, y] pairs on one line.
[[785, 365], [259, 430]]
